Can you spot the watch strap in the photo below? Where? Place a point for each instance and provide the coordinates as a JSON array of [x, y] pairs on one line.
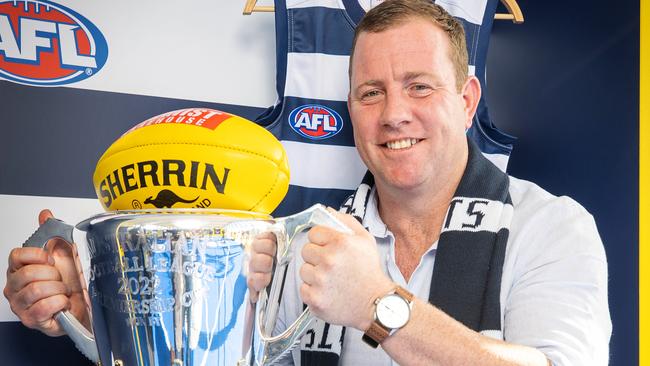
[[405, 294], [377, 333]]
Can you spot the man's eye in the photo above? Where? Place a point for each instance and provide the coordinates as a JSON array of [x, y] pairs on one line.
[[420, 89], [370, 94]]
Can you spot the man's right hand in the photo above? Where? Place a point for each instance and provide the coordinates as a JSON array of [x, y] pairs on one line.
[[41, 283], [261, 263]]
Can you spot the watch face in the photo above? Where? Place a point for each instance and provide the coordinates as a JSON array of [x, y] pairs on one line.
[[393, 311]]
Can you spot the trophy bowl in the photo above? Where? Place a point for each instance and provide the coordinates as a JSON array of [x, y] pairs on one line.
[[169, 287]]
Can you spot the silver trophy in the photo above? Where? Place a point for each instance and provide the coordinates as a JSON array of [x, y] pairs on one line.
[[169, 287]]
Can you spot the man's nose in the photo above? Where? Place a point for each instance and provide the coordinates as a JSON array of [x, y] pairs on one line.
[[396, 110]]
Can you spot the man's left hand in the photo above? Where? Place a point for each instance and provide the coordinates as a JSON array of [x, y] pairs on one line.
[[342, 274]]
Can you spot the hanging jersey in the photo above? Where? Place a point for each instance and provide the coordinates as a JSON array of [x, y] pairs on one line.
[[310, 118]]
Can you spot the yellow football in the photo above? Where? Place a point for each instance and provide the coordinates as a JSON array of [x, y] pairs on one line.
[[193, 158]]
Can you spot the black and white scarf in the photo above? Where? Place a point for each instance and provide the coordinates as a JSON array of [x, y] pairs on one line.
[[466, 281]]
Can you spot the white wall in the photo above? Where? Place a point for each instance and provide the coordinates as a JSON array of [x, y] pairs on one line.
[[202, 50]]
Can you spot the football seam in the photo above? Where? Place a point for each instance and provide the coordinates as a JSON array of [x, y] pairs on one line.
[[195, 144], [268, 193]]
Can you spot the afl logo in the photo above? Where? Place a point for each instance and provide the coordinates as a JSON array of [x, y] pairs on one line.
[[46, 44], [315, 122]]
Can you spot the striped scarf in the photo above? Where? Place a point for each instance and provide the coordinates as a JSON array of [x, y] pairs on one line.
[[466, 281]]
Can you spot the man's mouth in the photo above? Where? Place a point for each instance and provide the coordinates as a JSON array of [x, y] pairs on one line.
[[401, 144]]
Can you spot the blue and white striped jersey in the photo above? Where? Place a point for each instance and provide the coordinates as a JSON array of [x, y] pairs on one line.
[[310, 118]]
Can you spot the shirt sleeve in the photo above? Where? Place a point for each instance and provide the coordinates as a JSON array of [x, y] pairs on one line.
[[557, 301]]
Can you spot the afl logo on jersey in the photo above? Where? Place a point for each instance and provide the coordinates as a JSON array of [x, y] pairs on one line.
[[315, 121], [46, 44]]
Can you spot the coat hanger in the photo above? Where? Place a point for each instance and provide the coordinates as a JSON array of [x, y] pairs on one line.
[[514, 12], [251, 6]]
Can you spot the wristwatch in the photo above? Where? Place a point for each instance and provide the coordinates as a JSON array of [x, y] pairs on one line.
[[392, 312]]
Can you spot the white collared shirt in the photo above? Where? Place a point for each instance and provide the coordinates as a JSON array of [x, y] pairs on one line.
[[355, 351], [553, 287]]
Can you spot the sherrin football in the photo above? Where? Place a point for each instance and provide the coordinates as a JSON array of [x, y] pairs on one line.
[[193, 158]]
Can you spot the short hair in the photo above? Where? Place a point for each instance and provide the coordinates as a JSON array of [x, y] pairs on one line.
[[392, 13]]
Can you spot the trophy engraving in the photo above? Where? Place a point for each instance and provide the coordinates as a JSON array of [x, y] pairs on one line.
[[169, 287]]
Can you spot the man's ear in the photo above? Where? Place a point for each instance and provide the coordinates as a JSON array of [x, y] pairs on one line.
[[471, 93]]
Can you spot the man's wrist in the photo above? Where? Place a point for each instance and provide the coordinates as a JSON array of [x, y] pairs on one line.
[[392, 312], [369, 314]]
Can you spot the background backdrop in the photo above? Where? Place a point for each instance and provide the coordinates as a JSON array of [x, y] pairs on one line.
[[565, 82]]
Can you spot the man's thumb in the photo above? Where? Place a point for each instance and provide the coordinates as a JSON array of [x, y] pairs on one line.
[[349, 221]]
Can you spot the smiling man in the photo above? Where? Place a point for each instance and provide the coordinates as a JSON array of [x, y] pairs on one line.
[[452, 262]]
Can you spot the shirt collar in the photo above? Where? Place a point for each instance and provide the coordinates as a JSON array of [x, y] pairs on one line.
[[371, 219], [375, 225]]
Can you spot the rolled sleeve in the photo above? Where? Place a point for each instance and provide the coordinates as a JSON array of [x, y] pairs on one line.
[[557, 296]]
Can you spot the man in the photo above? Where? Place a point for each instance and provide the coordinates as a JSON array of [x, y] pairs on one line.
[[516, 276], [459, 265]]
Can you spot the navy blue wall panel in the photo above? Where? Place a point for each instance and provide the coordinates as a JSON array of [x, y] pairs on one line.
[[69, 130], [26, 347], [566, 83]]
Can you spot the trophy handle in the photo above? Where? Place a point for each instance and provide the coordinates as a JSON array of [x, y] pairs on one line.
[[83, 339], [271, 348]]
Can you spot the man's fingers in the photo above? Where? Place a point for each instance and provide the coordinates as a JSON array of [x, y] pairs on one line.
[[265, 244], [257, 281], [261, 263], [308, 274], [44, 215], [20, 257], [37, 291], [35, 272], [349, 221], [266, 235], [323, 235], [312, 253], [41, 313], [307, 295], [253, 296]]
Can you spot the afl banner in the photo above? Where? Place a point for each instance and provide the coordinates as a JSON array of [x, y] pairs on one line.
[[122, 46], [76, 74], [47, 44]]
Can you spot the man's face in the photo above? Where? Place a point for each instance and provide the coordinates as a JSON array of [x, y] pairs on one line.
[[409, 119]]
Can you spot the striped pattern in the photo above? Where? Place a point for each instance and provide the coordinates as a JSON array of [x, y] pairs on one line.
[[304, 66], [305, 173], [475, 214], [314, 38]]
